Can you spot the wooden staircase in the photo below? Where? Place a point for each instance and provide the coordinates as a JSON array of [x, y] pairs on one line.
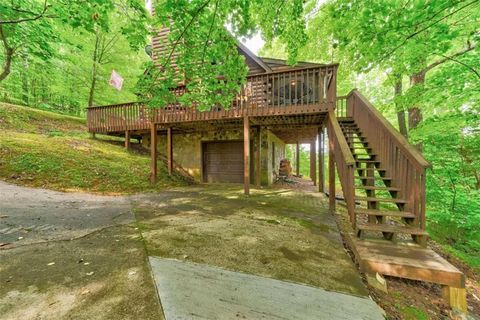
[[384, 211], [383, 184]]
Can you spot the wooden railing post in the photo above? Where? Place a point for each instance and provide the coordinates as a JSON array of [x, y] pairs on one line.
[[321, 161], [170, 150], [246, 155], [313, 161], [258, 147], [153, 153], [331, 169]]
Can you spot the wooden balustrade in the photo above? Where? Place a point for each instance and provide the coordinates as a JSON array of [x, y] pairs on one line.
[[341, 107], [345, 164], [403, 162], [296, 91]]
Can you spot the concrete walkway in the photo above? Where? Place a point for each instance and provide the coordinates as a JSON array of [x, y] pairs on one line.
[[31, 215], [194, 291]]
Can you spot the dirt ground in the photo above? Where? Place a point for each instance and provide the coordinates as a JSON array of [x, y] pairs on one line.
[[283, 234], [409, 299], [71, 256], [85, 257], [104, 275]]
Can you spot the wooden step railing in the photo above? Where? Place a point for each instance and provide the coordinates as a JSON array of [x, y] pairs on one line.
[[345, 164], [402, 161]]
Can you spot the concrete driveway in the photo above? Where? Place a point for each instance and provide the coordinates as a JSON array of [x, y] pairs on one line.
[[82, 256]]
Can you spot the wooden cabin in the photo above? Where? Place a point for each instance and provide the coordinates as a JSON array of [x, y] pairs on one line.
[[280, 105]]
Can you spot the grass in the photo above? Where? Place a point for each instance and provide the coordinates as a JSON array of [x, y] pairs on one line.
[[48, 150]]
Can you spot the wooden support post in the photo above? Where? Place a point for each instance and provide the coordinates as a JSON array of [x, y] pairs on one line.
[[456, 297], [297, 160], [127, 139], [169, 151], [246, 155], [153, 153], [321, 162], [257, 157], [331, 171], [92, 135], [313, 161]]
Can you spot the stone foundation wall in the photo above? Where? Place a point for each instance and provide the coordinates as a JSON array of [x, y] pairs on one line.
[[187, 150]]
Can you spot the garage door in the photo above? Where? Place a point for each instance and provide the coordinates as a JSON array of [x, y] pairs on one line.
[[223, 161]]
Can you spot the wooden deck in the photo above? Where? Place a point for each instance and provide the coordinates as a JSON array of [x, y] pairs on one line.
[[409, 261], [297, 91]]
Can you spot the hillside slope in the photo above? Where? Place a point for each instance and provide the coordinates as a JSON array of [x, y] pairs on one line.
[[44, 149]]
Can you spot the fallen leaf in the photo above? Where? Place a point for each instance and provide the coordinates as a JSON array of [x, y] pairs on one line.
[[84, 291]]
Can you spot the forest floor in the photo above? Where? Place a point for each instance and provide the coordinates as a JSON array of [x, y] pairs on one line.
[[48, 150]]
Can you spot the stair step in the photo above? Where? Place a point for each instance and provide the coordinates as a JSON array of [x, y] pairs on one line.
[[373, 199], [372, 178], [390, 228], [377, 188], [366, 161], [356, 142], [371, 169], [373, 212]]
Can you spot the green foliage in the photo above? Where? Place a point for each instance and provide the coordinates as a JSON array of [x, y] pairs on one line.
[[290, 153], [44, 149], [206, 54], [452, 144], [53, 61]]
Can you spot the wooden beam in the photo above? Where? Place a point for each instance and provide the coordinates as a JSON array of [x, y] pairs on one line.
[[257, 157], [127, 139], [321, 162], [169, 150], [313, 161], [456, 297], [297, 159], [331, 171], [246, 155], [153, 153]]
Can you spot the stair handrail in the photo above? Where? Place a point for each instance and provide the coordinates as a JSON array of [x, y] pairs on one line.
[[403, 162], [345, 163], [402, 142]]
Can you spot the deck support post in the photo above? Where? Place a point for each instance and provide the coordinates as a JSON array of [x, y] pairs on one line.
[[169, 150], [246, 155], [313, 161], [92, 135], [321, 164], [127, 139], [456, 297], [297, 159], [257, 158], [153, 153], [331, 172]]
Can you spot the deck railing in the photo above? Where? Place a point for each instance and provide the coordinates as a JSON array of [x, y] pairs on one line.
[[295, 91], [402, 162], [345, 164]]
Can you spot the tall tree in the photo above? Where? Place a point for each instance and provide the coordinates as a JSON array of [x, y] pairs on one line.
[[26, 25], [203, 49], [406, 37]]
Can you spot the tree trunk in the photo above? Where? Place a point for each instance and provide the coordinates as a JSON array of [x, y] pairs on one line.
[[94, 70], [8, 51], [414, 112], [402, 125]]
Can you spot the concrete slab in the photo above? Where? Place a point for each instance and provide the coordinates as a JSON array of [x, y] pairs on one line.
[[32, 215], [194, 291]]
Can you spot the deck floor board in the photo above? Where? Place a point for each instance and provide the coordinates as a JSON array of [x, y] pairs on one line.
[[408, 261]]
